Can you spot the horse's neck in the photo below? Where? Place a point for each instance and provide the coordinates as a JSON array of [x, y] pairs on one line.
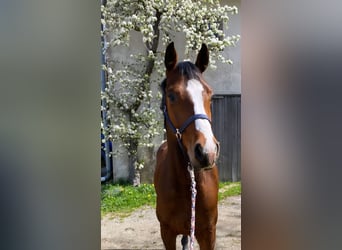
[[177, 159], [175, 151]]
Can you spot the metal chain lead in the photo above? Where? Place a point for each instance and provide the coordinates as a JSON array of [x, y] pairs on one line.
[[193, 205]]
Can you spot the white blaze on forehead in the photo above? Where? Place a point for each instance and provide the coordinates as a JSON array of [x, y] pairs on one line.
[[195, 90]]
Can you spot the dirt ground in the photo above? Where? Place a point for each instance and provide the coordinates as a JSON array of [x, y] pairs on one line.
[[141, 229]]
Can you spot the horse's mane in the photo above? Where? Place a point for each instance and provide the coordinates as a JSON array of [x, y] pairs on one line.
[[188, 70]]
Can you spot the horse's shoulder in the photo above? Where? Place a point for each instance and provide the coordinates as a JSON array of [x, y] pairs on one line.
[[161, 154], [162, 148]]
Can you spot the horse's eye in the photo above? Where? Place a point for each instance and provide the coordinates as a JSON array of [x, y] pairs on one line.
[[172, 97]]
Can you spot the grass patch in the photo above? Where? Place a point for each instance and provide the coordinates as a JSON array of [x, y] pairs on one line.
[[123, 199], [227, 189]]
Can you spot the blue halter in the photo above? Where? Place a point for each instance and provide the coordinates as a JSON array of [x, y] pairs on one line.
[[178, 131]]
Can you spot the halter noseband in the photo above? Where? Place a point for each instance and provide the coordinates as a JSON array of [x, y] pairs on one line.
[[178, 131]]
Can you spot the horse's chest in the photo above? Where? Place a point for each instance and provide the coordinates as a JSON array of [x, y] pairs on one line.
[[174, 204]]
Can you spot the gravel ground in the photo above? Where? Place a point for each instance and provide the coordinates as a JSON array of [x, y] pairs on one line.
[[140, 230]]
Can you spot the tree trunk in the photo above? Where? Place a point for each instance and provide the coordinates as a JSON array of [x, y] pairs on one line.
[[134, 174]]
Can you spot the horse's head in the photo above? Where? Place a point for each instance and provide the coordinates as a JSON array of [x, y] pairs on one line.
[[187, 107]]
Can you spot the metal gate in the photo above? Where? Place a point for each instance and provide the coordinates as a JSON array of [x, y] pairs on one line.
[[226, 116]]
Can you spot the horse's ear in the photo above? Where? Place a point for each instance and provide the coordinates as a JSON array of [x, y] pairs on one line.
[[170, 57], [202, 60]]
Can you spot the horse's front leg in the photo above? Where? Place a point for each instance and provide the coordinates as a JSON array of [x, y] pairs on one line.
[[168, 237], [206, 238], [185, 241]]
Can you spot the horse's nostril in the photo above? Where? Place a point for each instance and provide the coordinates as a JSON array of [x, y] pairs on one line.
[[217, 149], [199, 152]]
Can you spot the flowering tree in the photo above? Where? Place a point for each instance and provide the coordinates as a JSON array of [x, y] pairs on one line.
[[133, 117]]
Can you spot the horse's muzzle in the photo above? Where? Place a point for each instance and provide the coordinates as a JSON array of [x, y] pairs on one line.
[[206, 159]]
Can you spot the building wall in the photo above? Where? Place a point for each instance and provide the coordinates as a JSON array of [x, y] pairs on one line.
[[225, 79]]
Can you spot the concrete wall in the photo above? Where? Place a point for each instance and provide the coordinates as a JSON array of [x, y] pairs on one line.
[[226, 79]]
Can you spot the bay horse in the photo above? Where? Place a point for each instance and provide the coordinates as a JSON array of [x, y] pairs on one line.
[[190, 141]]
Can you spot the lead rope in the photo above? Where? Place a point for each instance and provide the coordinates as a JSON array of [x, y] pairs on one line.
[[178, 134], [193, 205]]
